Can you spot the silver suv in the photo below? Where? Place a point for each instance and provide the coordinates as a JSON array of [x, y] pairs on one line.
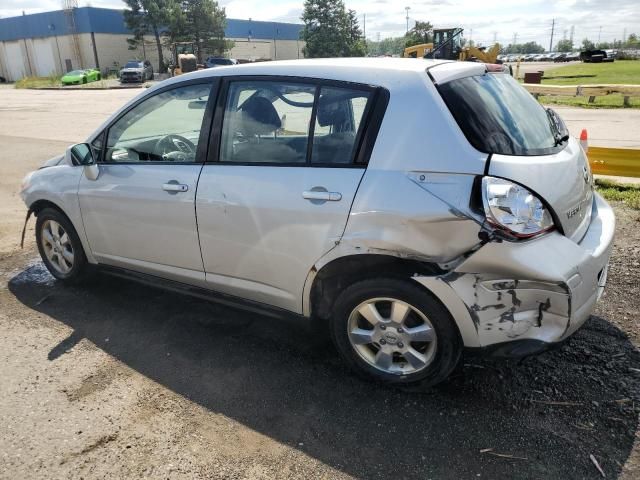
[[414, 207]]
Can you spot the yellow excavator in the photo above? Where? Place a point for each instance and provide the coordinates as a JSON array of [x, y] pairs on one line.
[[447, 45]]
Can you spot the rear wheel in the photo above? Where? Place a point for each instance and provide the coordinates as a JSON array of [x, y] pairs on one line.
[[60, 246], [395, 332]]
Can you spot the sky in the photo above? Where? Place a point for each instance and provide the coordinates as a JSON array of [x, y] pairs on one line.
[[484, 21]]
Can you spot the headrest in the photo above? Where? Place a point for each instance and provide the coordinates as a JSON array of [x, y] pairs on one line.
[[331, 113], [258, 117]]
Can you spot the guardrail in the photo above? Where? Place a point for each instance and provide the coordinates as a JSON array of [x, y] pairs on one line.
[[591, 91], [621, 162]]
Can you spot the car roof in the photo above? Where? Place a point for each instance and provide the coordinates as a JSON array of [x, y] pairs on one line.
[[384, 72]]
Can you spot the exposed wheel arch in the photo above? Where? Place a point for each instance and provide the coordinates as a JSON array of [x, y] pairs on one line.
[[39, 205], [336, 275]]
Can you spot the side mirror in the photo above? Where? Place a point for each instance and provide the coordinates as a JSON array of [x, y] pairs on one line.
[[81, 154]]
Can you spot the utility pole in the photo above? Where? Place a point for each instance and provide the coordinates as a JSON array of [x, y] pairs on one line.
[[364, 26], [624, 35], [407, 9], [515, 38], [599, 32], [573, 29], [553, 27], [364, 32]]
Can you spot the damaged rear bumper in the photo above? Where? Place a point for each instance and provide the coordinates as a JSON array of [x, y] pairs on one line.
[[536, 292]]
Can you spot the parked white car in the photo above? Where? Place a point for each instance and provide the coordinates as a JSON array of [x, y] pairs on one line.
[[415, 207]]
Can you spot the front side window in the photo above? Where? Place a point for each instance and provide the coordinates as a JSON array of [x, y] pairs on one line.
[[499, 116], [273, 122], [163, 128]]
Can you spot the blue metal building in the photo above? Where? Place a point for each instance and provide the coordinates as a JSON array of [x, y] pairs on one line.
[[52, 42]]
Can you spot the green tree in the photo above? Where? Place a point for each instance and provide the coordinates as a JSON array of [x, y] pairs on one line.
[[330, 31], [387, 46], [564, 45], [357, 46], [143, 17], [422, 32], [199, 21], [587, 44], [632, 41], [524, 48]]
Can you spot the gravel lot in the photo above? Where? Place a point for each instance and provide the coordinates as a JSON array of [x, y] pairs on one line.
[[115, 379]]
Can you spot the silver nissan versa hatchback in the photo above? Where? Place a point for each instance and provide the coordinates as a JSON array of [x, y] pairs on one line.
[[414, 207]]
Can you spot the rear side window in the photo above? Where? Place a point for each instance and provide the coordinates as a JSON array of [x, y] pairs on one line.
[[498, 116], [338, 118], [290, 122]]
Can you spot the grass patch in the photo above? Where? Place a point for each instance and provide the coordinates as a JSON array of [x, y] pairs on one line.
[[38, 82], [619, 192], [620, 72]]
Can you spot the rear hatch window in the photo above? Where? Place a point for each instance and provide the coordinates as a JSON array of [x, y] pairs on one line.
[[498, 116]]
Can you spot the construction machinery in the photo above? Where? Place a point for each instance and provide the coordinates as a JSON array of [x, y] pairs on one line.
[[183, 58], [418, 51], [447, 45]]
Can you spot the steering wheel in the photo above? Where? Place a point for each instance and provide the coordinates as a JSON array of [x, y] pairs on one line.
[[175, 148]]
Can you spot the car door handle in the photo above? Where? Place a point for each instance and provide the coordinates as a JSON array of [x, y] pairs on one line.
[[174, 187], [322, 195]]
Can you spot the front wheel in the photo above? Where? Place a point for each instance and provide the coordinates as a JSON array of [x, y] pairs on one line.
[[60, 246], [393, 331]]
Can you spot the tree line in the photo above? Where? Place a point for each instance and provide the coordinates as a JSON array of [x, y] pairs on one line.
[[199, 21]]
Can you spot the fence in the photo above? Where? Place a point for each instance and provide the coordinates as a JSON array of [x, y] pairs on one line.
[[591, 91]]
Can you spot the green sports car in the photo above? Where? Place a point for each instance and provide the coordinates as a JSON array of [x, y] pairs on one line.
[[77, 77]]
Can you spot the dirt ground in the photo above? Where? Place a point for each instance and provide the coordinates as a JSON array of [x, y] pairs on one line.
[[119, 380]]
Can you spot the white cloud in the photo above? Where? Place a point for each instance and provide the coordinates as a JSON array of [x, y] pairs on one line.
[[529, 19]]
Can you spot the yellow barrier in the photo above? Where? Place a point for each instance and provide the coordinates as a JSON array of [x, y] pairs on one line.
[[622, 162]]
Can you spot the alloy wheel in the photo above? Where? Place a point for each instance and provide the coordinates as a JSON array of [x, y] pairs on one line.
[[57, 246], [392, 336]]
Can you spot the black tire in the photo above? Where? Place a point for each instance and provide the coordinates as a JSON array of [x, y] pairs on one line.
[[99, 77], [79, 267], [84, 80], [448, 347]]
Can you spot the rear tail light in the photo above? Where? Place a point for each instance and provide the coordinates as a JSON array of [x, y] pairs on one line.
[[514, 209]]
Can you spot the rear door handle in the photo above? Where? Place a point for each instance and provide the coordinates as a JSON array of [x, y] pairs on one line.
[[322, 196], [173, 186]]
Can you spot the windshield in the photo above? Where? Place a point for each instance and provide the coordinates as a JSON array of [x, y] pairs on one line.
[[76, 72], [498, 116], [133, 65]]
